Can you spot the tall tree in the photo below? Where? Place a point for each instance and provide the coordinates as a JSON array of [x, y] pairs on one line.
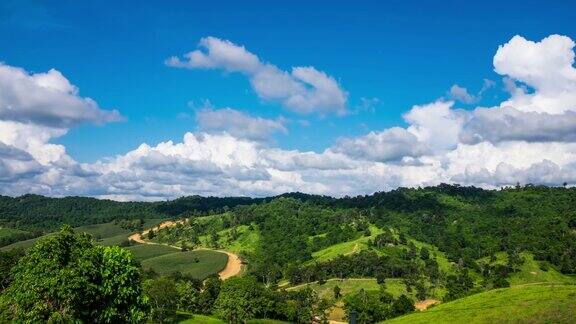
[[67, 277]]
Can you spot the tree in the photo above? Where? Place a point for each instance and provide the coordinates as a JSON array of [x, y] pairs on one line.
[[380, 278], [209, 294], [368, 307], [402, 305], [337, 292], [67, 277], [424, 254], [240, 299], [188, 296], [8, 259], [458, 285], [163, 298]]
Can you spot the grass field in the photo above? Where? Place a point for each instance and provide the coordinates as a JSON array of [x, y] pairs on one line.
[[530, 272], [393, 285], [531, 303], [198, 264], [349, 286], [246, 242], [345, 248], [203, 319], [147, 251]]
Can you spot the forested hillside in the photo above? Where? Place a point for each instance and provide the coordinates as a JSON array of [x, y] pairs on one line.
[[306, 256]]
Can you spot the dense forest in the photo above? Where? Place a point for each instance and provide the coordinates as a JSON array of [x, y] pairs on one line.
[[444, 242]]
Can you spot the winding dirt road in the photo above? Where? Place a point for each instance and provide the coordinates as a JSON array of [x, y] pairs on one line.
[[233, 266]]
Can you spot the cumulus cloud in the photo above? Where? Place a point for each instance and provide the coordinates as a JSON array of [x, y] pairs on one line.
[[303, 89], [546, 66], [461, 94], [510, 124], [47, 99], [238, 124], [433, 129], [527, 138], [389, 145]]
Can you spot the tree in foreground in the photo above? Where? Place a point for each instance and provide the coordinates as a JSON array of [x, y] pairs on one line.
[[240, 299], [68, 278]]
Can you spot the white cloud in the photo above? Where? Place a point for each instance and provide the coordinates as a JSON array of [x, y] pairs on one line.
[[509, 124], [238, 124], [304, 89], [545, 66], [47, 99], [527, 138], [461, 94], [389, 145]]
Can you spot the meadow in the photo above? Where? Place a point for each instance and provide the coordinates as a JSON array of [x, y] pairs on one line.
[[142, 252], [530, 303]]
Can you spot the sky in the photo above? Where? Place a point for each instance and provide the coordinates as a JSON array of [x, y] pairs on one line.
[[151, 101]]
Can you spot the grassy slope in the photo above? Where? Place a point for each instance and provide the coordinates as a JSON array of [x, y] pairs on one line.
[[203, 319], [345, 248], [246, 242], [347, 286], [6, 232], [530, 272], [209, 262], [532, 303]]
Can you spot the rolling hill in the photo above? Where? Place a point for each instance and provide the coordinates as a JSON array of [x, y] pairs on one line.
[[530, 303]]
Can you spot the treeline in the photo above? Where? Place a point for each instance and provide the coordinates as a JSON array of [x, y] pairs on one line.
[[33, 212], [41, 214], [466, 223]]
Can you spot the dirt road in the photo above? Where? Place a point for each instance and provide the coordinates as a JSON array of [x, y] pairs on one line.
[[233, 266]]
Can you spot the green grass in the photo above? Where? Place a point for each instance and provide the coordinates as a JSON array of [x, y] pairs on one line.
[[531, 303], [203, 319], [346, 248], [353, 285], [7, 232], [147, 251], [443, 263], [530, 272], [209, 262], [246, 242]]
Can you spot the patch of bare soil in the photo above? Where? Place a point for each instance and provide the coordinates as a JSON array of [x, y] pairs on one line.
[[424, 304]]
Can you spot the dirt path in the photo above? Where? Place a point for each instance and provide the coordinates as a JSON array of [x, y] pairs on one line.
[[423, 305], [233, 265]]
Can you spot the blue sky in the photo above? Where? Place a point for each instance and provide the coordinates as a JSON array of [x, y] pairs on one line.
[[154, 100], [400, 52]]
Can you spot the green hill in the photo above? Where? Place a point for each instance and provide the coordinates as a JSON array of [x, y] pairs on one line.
[[531, 303]]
